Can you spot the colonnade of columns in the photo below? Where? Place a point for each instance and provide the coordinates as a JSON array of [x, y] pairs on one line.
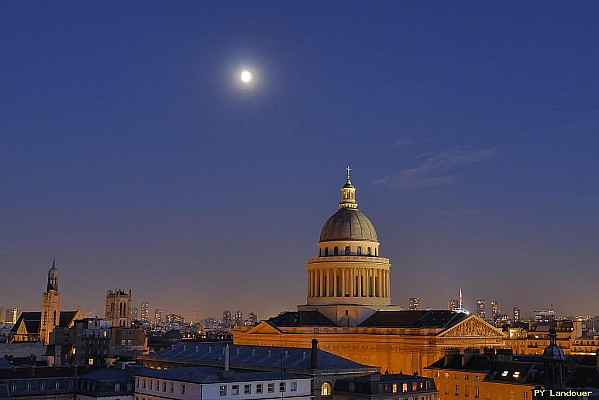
[[348, 282]]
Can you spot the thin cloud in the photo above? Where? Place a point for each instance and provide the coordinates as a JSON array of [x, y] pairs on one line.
[[435, 169]]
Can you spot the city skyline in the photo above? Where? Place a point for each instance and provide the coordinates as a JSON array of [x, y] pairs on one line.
[[130, 153]]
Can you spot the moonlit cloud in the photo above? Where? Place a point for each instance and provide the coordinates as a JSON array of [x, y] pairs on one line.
[[436, 169]]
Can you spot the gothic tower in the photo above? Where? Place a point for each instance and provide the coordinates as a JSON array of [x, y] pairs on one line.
[[50, 317], [118, 308]]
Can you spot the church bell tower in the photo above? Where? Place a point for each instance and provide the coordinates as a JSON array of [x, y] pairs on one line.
[[50, 317]]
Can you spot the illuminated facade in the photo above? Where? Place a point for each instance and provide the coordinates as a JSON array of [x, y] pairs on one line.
[[349, 309], [50, 305]]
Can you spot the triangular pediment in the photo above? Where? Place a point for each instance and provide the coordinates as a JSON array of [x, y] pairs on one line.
[[472, 327], [264, 328]]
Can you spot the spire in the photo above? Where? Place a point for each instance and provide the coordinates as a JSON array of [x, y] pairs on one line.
[[348, 193], [52, 277]]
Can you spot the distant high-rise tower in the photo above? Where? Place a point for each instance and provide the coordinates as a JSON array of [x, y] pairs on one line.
[[238, 317], [157, 316], [414, 303], [118, 306], [452, 304], [145, 311], [253, 320], [50, 316], [12, 315], [495, 308], [227, 318], [480, 309], [134, 314], [516, 314]]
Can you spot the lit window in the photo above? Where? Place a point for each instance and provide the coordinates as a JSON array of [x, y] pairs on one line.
[[293, 386], [326, 389], [234, 390], [247, 389], [282, 387], [404, 388], [259, 388], [414, 386], [517, 374], [271, 388], [223, 390], [504, 373], [394, 388]]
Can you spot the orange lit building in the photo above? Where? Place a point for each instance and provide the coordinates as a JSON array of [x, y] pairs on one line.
[[349, 309]]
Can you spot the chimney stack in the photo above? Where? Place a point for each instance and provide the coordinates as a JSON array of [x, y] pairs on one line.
[[314, 355]]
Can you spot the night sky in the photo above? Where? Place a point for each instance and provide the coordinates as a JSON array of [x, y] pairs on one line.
[[130, 151]]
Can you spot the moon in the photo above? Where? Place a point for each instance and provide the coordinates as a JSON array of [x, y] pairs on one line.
[[246, 76]]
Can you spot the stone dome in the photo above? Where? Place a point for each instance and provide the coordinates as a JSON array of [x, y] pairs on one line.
[[348, 224]]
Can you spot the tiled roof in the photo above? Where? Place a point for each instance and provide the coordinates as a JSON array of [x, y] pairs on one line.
[[253, 357], [301, 318], [414, 319]]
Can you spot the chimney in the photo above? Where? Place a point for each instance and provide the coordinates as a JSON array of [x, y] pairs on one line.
[[227, 358], [450, 355], [468, 354], [314, 355]]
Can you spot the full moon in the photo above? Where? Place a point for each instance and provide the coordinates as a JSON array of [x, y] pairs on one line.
[[246, 76]]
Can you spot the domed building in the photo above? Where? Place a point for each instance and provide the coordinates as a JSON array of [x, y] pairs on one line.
[[349, 311]]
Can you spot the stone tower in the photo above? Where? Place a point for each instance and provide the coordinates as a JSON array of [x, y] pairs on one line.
[[50, 316], [118, 308]]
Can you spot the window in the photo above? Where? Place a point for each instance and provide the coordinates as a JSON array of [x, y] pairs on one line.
[[369, 251], [457, 390], [394, 388], [136, 382], [414, 386], [326, 251], [247, 389], [525, 395], [359, 250], [43, 386], [143, 383], [476, 392], [117, 387], [151, 384], [404, 387], [56, 385], [282, 387], [467, 391], [13, 387], [164, 386], [182, 389], [171, 387], [234, 390], [223, 390], [28, 386], [466, 377], [336, 251], [326, 389], [71, 384], [259, 388], [293, 386], [347, 251], [271, 388]]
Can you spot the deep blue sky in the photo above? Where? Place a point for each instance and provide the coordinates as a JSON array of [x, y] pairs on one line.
[[129, 151]]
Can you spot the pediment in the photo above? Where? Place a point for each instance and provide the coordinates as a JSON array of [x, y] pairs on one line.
[[264, 328], [472, 327]]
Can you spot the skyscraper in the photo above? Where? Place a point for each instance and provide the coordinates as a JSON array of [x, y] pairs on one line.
[[480, 309], [145, 311], [227, 318], [238, 317], [495, 308], [253, 319], [452, 304], [157, 316], [134, 314], [12, 314], [516, 314], [415, 303]]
